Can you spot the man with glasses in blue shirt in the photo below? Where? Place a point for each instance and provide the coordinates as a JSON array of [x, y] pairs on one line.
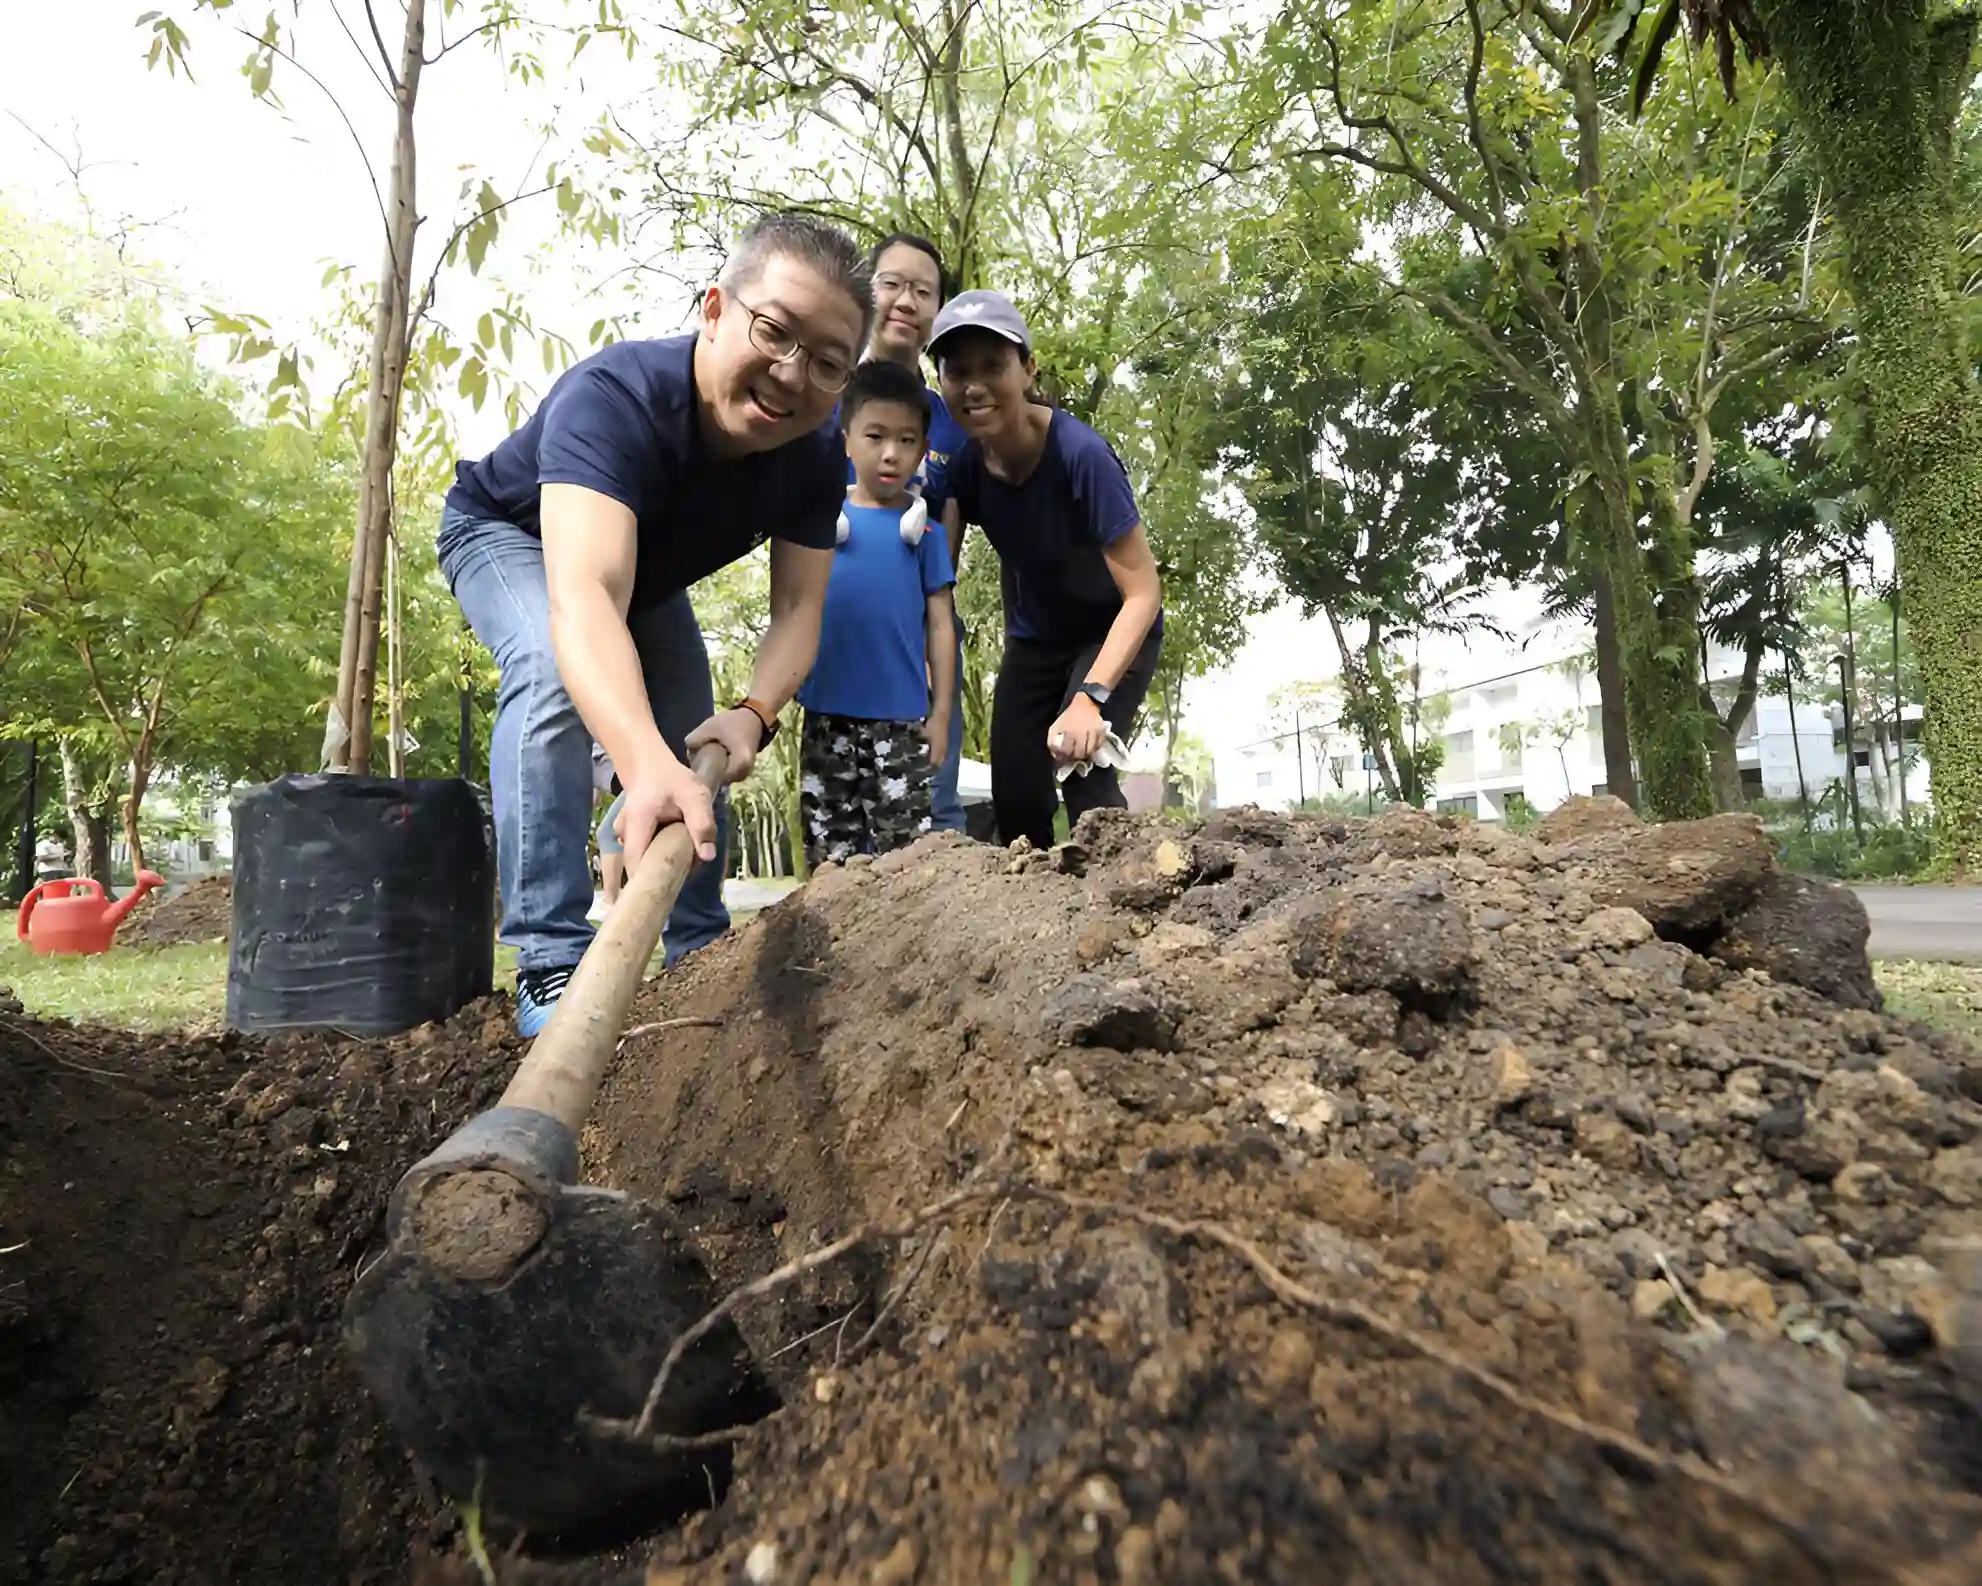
[[571, 548]]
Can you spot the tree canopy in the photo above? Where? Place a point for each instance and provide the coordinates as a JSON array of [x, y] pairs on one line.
[[1382, 305]]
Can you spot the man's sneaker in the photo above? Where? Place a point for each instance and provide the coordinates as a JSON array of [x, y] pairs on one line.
[[537, 991]]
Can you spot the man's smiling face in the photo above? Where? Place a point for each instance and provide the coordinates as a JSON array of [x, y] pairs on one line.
[[752, 399]]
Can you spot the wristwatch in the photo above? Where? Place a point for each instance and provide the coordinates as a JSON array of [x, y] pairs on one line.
[[1095, 691], [766, 717]]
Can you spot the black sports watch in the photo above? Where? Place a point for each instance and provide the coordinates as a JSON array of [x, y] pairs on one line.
[[1097, 692]]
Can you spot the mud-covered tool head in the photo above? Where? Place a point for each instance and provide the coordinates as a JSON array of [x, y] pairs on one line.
[[509, 1303]]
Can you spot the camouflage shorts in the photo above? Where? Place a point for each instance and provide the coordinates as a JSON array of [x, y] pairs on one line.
[[863, 785]]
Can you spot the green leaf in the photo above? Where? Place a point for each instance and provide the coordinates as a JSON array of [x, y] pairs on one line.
[[1619, 23], [485, 330], [1648, 63]]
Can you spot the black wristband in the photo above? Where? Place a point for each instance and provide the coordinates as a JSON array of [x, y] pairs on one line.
[[765, 719]]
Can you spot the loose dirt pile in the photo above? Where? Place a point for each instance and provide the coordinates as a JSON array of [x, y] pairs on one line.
[[1386, 1202], [1534, 1105], [204, 912], [178, 1224]]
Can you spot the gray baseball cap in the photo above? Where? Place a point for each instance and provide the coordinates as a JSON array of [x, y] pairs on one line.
[[981, 310]]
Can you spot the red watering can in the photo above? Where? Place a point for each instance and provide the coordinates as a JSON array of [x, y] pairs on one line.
[[75, 916]]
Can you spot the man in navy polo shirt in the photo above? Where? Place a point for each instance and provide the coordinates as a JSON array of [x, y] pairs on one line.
[[908, 290], [571, 548]]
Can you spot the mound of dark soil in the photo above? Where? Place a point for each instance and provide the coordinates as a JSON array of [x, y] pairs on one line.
[[204, 912], [180, 1220], [1364, 1202], [1666, 1268]]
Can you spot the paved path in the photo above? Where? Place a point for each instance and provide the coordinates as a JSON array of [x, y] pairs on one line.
[[1925, 922]]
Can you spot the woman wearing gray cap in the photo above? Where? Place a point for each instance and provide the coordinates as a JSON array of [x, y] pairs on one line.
[[1083, 600]]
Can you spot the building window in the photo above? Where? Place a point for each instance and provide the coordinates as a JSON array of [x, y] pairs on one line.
[[1459, 756], [1468, 805], [1265, 779]]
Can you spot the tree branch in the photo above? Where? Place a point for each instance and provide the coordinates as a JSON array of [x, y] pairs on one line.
[[386, 87], [1474, 128], [1524, 379], [378, 197], [1549, 52], [385, 55], [427, 293], [1703, 465], [1406, 164], [871, 96], [448, 49]]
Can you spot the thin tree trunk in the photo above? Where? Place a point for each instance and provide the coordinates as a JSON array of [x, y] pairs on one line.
[[86, 818], [1650, 590], [1796, 741], [1877, 87], [1618, 780], [1365, 711], [795, 824], [357, 667], [963, 175], [1723, 731], [133, 804], [1173, 721], [1724, 764]]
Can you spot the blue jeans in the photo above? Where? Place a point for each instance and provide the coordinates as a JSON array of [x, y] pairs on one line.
[[945, 808], [540, 762]]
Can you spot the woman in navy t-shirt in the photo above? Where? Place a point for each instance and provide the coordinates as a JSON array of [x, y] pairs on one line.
[[1083, 601]]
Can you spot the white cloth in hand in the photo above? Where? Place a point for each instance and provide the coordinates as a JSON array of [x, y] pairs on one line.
[[1112, 755]]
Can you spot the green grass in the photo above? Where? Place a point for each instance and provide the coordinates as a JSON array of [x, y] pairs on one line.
[[174, 988], [1946, 995], [185, 988]]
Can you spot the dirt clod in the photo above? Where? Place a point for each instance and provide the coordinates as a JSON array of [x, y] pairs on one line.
[[1808, 933]]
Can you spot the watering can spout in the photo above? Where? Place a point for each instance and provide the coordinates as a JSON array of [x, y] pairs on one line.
[[146, 880]]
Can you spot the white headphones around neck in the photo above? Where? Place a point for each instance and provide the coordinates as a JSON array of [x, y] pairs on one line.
[[915, 523]]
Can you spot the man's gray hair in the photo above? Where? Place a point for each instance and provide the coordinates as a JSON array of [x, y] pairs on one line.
[[825, 248]]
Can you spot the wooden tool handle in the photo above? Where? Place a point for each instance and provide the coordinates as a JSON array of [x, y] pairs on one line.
[[561, 1072]]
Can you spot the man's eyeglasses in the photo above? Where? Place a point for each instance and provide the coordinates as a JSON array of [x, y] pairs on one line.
[[829, 371], [921, 291]]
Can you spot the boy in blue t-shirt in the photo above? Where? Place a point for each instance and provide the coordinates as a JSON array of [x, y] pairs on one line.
[[878, 702]]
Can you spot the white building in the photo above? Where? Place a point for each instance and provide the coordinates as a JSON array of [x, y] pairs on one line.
[[1531, 734]]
